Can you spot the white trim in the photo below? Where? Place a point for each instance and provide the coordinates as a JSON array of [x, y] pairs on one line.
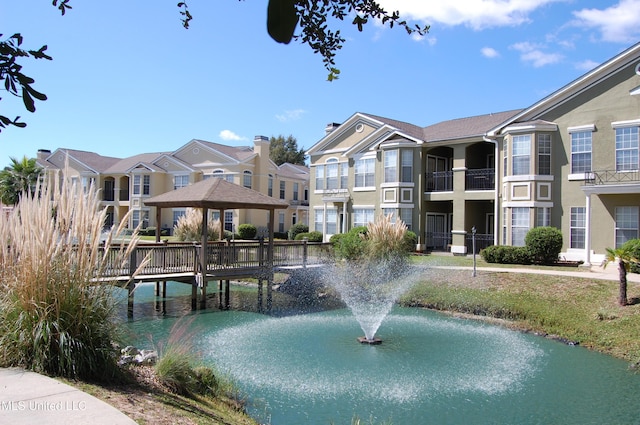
[[396, 206], [578, 128], [587, 175], [459, 232], [627, 123], [459, 169], [403, 191], [540, 197], [364, 189], [384, 195], [397, 184], [363, 207]]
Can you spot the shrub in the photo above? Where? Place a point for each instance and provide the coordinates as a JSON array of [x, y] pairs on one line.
[[189, 227], [53, 319], [502, 254], [149, 231], [314, 236], [544, 244], [280, 235], [633, 247], [296, 229], [410, 241], [247, 231], [351, 245], [176, 356]]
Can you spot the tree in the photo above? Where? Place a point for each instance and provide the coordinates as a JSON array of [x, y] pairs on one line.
[[283, 17], [20, 176], [625, 258], [15, 82], [283, 150]]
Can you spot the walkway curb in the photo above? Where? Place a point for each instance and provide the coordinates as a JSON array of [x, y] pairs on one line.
[[30, 398]]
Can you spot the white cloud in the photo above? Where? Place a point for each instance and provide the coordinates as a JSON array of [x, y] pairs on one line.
[[533, 54], [489, 52], [586, 65], [229, 135], [291, 115], [618, 23], [477, 14]]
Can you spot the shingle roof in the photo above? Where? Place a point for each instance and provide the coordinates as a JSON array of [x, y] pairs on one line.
[[239, 153], [293, 170], [407, 128], [93, 160], [125, 164], [466, 127], [215, 193]]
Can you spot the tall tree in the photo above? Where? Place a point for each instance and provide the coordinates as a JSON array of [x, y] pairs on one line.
[[283, 150], [283, 17], [21, 176]]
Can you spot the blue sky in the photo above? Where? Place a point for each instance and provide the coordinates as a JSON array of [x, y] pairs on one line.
[[126, 78]]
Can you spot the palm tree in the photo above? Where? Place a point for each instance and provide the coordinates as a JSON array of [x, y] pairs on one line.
[[21, 176], [624, 257]]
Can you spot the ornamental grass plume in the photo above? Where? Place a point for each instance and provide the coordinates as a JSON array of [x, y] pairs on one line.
[[54, 318], [386, 238], [189, 227]]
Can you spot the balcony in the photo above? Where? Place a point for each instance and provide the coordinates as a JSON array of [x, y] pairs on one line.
[[439, 181], [611, 177], [480, 179]]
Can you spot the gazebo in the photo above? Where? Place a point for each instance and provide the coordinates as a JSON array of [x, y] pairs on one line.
[[217, 194]]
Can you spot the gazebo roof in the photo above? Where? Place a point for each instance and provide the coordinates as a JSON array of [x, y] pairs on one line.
[[215, 193]]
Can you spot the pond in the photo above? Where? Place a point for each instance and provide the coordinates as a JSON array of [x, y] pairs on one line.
[[308, 368]]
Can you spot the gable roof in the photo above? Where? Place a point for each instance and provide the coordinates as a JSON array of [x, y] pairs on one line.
[[215, 193], [573, 89], [91, 160], [295, 171], [238, 153], [125, 165]]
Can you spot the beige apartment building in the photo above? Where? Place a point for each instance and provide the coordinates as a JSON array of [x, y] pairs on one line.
[[570, 161], [125, 183]]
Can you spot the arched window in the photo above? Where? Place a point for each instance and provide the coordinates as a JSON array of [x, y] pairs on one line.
[[246, 179]]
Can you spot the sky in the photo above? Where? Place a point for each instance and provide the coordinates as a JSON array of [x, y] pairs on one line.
[[127, 78]]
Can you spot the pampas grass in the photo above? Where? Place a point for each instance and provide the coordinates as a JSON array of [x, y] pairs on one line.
[[385, 238], [189, 227], [54, 319]]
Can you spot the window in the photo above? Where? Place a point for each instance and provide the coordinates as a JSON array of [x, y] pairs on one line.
[[406, 215], [320, 177], [521, 154], [180, 181], [543, 217], [270, 185], [246, 179], [294, 219], [281, 222], [177, 213], [390, 166], [141, 184], [228, 220], [505, 160], [283, 186], [626, 148], [140, 218], [332, 220], [344, 175], [332, 174], [364, 172], [626, 224], [406, 167], [581, 152], [578, 227], [295, 191], [87, 182], [362, 216], [519, 225], [504, 226], [221, 175], [318, 218], [544, 154]]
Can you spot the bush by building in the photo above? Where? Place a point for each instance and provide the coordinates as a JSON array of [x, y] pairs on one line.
[[247, 231]]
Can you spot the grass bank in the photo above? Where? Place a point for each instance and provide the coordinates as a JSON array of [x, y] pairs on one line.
[[581, 309]]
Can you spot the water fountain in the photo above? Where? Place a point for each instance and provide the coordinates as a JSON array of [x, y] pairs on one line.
[[370, 289]]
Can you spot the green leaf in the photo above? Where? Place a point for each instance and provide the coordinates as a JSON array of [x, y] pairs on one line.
[[28, 101], [282, 19]]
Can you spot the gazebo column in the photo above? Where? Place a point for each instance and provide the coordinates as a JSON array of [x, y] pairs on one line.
[[158, 220], [203, 259]]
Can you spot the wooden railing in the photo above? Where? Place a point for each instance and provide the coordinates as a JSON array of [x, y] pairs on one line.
[[166, 259]]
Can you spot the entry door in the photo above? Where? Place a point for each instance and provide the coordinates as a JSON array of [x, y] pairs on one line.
[[436, 235]]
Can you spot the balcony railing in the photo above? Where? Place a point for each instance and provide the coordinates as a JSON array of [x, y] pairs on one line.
[[438, 241], [439, 181], [124, 195], [482, 241], [480, 179], [611, 177]]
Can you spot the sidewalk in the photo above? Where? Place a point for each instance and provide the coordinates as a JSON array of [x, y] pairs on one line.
[[595, 272], [30, 398]]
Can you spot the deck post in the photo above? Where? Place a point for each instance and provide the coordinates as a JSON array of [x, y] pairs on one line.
[[130, 291], [226, 294], [203, 257], [164, 289], [272, 215], [194, 292], [157, 288], [260, 283], [305, 252]]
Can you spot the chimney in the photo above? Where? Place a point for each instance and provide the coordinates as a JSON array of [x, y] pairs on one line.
[[43, 154], [330, 127]]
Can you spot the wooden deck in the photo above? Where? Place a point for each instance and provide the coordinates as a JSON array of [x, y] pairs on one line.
[[225, 261]]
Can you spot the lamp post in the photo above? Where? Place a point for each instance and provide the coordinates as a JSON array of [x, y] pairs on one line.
[[473, 245]]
